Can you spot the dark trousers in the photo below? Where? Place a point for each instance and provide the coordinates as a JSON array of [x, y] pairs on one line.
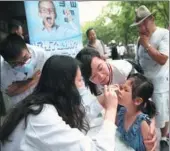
[[122, 57]]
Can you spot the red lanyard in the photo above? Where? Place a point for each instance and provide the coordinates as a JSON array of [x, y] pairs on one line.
[[111, 73]]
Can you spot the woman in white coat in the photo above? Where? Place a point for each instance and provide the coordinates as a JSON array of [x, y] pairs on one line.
[[53, 118], [98, 72]]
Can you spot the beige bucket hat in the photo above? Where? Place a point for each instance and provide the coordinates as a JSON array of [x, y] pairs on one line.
[[141, 14]]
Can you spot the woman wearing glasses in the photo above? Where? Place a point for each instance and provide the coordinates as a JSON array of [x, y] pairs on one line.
[[98, 72]]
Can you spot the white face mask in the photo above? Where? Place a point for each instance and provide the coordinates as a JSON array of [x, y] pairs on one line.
[[27, 68], [83, 91]]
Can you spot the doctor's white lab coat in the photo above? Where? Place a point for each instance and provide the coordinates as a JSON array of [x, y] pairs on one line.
[[48, 132]]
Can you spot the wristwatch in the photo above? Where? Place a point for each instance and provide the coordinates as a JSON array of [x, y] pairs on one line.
[[149, 45]]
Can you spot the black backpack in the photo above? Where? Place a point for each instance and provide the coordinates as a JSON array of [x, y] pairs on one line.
[[135, 66]]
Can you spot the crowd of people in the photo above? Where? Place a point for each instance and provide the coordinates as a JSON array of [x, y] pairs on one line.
[[50, 95]]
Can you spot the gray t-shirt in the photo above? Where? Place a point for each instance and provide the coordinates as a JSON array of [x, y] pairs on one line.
[[99, 46]]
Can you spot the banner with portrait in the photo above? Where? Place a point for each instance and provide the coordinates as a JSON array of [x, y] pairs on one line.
[[54, 25]]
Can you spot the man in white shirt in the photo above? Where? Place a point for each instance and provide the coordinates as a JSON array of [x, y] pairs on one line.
[[153, 56], [21, 66], [121, 50]]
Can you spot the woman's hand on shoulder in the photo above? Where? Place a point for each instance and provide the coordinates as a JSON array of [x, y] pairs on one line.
[[149, 135]]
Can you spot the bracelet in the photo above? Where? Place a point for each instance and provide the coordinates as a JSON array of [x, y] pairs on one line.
[[147, 48]]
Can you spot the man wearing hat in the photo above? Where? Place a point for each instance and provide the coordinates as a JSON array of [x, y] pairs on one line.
[[153, 56]]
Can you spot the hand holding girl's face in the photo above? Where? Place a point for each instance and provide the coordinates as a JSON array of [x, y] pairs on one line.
[[111, 100]]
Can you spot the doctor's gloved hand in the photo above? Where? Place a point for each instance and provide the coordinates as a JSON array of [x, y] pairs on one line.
[[111, 100], [110, 103]]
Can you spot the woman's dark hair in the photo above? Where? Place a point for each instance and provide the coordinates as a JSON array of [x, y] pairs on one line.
[[143, 88], [85, 57], [93, 88], [88, 30], [56, 87], [11, 47]]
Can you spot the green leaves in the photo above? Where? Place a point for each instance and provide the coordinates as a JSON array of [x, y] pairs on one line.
[[115, 19]]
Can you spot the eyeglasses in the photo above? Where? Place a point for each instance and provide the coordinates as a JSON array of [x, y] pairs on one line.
[[92, 78], [47, 10], [21, 61]]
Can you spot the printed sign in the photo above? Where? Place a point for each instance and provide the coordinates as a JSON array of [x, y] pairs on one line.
[[54, 25]]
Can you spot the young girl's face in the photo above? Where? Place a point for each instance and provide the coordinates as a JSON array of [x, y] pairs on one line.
[[125, 98]]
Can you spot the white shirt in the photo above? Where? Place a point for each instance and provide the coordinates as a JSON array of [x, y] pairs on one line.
[[121, 70], [158, 74], [9, 75], [48, 132], [121, 50]]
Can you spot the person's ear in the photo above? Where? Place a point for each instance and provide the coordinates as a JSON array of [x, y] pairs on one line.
[[153, 18], [138, 101]]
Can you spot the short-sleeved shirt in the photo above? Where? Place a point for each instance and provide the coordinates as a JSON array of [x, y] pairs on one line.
[[100, 47], [158, 74], [121, 50], [10, 75], [121, 70]]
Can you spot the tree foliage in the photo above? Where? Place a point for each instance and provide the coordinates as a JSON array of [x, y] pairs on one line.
[[115, 19]]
